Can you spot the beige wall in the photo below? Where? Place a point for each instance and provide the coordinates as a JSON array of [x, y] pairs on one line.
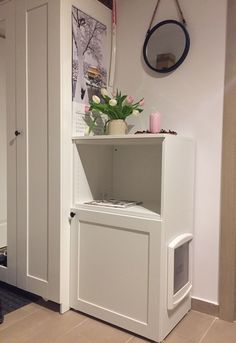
[[191, 102]]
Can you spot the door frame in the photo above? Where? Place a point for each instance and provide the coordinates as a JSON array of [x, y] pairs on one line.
[[227, 263]]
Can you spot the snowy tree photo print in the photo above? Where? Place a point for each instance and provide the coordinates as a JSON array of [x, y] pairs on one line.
[[89, 71]]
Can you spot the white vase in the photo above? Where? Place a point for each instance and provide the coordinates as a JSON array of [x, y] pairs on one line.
[[117, 127]]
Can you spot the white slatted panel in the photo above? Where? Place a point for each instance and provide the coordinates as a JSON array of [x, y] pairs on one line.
[[37, 141]]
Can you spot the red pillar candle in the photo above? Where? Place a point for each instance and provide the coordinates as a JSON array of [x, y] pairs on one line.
[[155, 122]]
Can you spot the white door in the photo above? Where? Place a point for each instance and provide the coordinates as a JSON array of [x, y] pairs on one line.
[[115, 269], [38, 146], [3, 144], [7, 141]]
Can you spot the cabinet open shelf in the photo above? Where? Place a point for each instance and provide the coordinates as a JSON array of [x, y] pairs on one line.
[[119, 167]]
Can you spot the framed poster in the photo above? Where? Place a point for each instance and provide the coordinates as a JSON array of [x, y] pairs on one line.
[[91, 44]]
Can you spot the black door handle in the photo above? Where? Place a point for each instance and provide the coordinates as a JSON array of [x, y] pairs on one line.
[[72, 214], [17, 133]]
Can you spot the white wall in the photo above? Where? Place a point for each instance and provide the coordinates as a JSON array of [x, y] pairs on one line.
[[191, 102]]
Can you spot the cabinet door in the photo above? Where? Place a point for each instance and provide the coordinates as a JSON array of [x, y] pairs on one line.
[[115, 266], [38, 146], [7, 141]]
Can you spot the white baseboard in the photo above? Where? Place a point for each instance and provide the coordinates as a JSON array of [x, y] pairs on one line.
[[205, 307]]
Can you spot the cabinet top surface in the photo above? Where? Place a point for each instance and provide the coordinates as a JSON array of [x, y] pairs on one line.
[[124, 139]]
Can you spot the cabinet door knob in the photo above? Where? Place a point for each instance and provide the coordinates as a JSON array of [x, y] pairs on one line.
[[17, 133], [72, 214]]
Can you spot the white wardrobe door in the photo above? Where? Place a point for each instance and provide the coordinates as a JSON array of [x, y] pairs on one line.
[[3, 146], [8, 144], [38, 146]]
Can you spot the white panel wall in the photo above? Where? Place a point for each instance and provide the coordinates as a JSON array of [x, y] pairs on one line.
[[102, 13], [191, 102]]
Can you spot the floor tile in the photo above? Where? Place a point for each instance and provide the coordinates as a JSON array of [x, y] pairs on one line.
[[56, 326], [15, 316], [221, 332], [24, 328], [138, 340], [192, 327], [173, 338], [31, 308], [93, 331]]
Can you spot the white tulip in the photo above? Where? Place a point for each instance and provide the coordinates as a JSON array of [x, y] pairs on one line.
[[86, 131], [104, 92], [112, 102], [96, 99], [135, 112]]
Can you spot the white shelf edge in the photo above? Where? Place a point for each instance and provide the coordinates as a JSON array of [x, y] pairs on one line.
[[121, 139], [134, 211]]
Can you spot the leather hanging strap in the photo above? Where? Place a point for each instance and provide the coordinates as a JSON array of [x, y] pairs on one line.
[[180, 12], [154, 14], [155, 11]]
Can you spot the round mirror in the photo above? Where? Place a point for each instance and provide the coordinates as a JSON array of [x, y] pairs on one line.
[[166, 46]]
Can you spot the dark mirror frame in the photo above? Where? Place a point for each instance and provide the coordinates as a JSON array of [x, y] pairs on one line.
[[185, 52], [107, 3]]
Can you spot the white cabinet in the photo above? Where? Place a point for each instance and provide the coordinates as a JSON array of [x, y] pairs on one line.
[[132, 267]]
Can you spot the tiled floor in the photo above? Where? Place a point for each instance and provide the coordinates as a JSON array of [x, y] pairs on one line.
[[37, 324]]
